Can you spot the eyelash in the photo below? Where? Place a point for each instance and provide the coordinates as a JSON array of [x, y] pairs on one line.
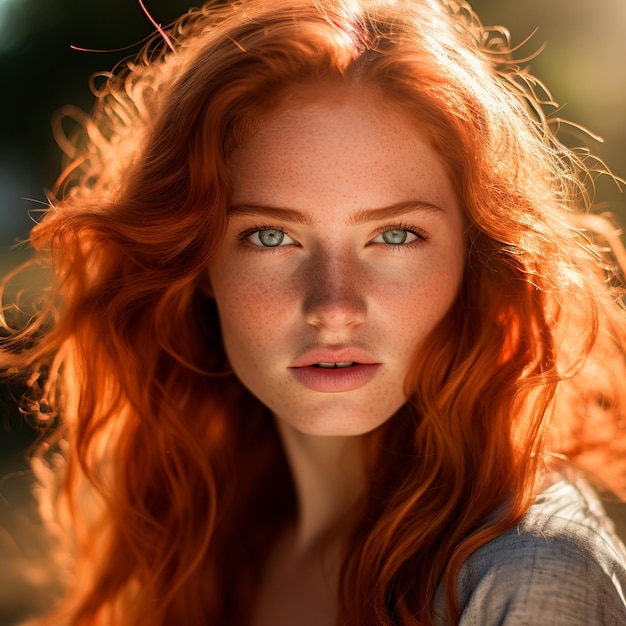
[[255, 229], [420, 234]]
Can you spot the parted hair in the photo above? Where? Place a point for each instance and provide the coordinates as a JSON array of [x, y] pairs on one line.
[[174, 484]]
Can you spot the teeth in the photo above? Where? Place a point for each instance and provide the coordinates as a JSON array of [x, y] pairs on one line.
[[333, 365]]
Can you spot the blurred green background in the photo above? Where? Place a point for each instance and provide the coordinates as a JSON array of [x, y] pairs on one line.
[[583, 64]]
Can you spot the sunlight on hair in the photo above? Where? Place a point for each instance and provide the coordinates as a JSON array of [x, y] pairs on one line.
[[326, 302]]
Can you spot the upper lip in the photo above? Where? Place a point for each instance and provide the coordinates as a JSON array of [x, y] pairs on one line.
[[334, 355]]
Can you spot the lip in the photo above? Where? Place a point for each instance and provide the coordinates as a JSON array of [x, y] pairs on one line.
[[334, 380], [337, 355]]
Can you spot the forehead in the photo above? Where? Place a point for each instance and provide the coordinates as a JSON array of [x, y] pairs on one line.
[[348, 146]]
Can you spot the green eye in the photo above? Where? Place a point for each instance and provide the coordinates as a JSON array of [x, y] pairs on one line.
[[395, 237], [271, 238], [268, 238]]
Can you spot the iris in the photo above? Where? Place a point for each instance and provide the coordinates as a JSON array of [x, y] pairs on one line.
[[271, 238], [395, 236]]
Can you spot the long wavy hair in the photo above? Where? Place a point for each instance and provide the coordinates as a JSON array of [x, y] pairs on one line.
[[173, 483]]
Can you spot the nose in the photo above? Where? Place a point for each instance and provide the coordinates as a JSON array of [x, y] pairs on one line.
[[335, 293]]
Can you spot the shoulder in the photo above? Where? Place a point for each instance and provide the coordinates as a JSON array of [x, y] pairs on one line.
[[562, 565]]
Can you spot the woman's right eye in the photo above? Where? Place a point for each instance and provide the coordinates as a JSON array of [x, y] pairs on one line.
[[269, 238]]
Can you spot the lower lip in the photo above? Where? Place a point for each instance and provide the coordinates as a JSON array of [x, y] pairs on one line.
[[336, 379]]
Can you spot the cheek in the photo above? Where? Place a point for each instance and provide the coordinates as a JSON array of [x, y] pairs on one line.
[[426, 292], [251, 304], [425, 301]]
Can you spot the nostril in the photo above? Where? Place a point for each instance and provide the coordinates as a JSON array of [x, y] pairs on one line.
[[334, 311]]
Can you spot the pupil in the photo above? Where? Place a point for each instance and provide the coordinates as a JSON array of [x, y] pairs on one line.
[[394, 236], [271, 238]]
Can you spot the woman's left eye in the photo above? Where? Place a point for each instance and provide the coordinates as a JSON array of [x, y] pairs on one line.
[[395, 237], [269, 238]]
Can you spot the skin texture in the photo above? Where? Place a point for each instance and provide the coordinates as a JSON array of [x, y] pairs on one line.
[[331, 283], [334, 284]]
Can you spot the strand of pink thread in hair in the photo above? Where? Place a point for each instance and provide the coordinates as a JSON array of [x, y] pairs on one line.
[[157, 26]]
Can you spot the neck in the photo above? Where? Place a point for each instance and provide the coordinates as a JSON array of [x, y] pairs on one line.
[[328, 473]]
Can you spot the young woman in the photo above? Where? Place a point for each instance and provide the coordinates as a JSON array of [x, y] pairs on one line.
[[330, 336]]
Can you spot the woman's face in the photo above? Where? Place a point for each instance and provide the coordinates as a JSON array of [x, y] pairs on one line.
[[344, 249]]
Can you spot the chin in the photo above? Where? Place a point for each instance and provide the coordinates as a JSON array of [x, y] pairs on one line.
[[337, 425]]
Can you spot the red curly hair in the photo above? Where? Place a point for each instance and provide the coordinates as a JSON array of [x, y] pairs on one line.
[[170, 498]]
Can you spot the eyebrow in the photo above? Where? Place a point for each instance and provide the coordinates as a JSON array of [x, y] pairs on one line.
[[393, 210], [360, 217], [278, 213]]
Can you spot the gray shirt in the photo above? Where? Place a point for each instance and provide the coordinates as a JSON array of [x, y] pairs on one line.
[[561, 566]]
